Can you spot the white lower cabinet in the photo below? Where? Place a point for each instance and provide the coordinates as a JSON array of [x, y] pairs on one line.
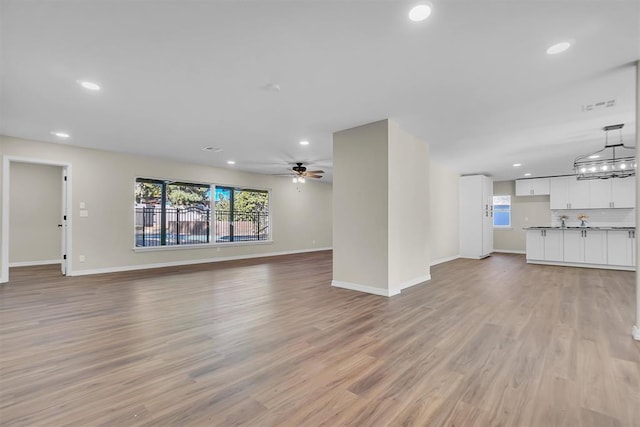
[[621, 248], [590, 247], [585, 246], [544, 245]]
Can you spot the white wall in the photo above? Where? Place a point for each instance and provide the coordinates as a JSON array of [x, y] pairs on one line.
[[35, 212], [105, 181], [360, 197], [526, 211], [409, 238], [444, 208]]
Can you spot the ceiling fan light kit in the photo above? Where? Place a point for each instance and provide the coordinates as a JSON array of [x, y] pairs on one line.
[[615, 160], [300, 173]]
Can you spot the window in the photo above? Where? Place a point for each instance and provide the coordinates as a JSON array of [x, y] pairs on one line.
[[241, 215], [502, 211], [172, 213]]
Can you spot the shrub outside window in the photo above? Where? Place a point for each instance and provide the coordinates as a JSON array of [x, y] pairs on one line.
[[171, 213]]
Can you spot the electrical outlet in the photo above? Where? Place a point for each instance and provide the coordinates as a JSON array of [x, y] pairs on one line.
[[81, 258], [313, 242]]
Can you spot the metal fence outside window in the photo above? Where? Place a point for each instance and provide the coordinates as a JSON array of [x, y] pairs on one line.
[[237, 226], [183, 226], [192, 225]]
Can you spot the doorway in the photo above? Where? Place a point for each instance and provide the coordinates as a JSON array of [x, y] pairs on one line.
[[35, 214]]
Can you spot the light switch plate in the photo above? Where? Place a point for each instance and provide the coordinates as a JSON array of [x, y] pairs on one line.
[[82, 205], [84, 213]]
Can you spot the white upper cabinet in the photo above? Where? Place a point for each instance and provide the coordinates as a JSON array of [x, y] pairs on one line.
[[600, 193], [570, 193], [559, 189], [532, 187], [623, 192]]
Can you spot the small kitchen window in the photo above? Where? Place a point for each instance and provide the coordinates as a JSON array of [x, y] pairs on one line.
[[502, 211]]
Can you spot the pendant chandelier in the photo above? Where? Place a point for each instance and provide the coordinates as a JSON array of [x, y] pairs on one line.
[[615, 160]]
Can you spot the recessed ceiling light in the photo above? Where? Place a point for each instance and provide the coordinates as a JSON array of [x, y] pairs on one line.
[[517, 165], [89, 85], [594, 156], [305, 142], [231, 162], [61, 134], [558, 48], [527, 174], [420, 12]]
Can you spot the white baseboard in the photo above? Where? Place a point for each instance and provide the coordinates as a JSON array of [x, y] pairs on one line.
[[636, 332], [32, 263], [578, 264], [415, 281], [364, 288], [187, 262], [509, 251], [442, 260]]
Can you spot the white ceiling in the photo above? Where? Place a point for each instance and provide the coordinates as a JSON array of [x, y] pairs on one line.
[[473, 80]]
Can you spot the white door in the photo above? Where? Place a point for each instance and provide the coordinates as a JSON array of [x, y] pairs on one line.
[[553, 245], [620, 247], [487, 238], [623, 192], [559, 193], [63, 222], [578, 193], [573, 246], [595, 246], [535, 244], [600, 193]]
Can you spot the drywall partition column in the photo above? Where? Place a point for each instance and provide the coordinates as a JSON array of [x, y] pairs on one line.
[[360, 216], [4, 244], [444, 214], [636, 326], [380, 209], [408, 173]]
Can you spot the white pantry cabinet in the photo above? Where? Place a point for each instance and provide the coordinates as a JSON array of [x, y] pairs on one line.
[[476, 216], [532, 187], [621, 247]]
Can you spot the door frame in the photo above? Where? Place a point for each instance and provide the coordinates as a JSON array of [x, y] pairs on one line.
[[66, 209]]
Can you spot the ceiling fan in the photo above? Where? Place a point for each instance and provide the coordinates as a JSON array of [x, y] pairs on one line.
[[300, 173]]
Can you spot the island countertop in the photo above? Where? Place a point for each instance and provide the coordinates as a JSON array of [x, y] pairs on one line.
[[579, 228]]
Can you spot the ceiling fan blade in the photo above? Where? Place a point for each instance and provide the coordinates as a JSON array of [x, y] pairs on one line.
[[313, 176], [315, 172]]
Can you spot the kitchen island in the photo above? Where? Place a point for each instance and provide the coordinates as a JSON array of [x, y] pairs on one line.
[[591, 247]]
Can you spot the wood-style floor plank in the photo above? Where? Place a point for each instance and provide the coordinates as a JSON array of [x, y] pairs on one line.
[[268, 342]]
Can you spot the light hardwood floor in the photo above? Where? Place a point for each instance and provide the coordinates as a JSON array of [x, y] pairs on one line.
[[270, 342]]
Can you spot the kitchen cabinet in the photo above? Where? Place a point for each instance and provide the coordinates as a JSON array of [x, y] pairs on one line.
[[621, 247], [612, 193], [545, 245], [623, 192], [567, 192], [532, 187], [476, 216], [585, 246], [600, 193], [570, 193]]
